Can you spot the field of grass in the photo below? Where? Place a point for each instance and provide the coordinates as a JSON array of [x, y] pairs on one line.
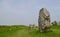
[[23, 31]]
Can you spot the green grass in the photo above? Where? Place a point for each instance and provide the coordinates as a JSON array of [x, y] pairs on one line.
[[23, 31]]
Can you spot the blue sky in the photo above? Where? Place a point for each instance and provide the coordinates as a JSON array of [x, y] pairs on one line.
[[26, 11]]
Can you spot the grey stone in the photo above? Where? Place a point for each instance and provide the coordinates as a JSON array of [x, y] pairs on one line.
[[31, 26], [44, 20]]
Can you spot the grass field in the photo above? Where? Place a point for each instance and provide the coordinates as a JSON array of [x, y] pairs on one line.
[[23, 31]]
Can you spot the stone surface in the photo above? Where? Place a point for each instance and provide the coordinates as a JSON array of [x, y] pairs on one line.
[[44, 20], [31, 26]]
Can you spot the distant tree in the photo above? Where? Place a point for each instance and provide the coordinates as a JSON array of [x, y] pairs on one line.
[[54, 23]]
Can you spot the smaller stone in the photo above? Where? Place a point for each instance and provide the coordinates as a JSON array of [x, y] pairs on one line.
[[31, 26]]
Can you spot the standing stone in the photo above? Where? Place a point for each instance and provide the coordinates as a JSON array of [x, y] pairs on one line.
[[31, 26], [44, 20]]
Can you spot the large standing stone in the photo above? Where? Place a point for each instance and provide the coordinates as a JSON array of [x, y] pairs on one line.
[[44, 20]]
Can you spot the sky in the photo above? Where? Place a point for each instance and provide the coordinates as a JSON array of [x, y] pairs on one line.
[[25, 12]]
